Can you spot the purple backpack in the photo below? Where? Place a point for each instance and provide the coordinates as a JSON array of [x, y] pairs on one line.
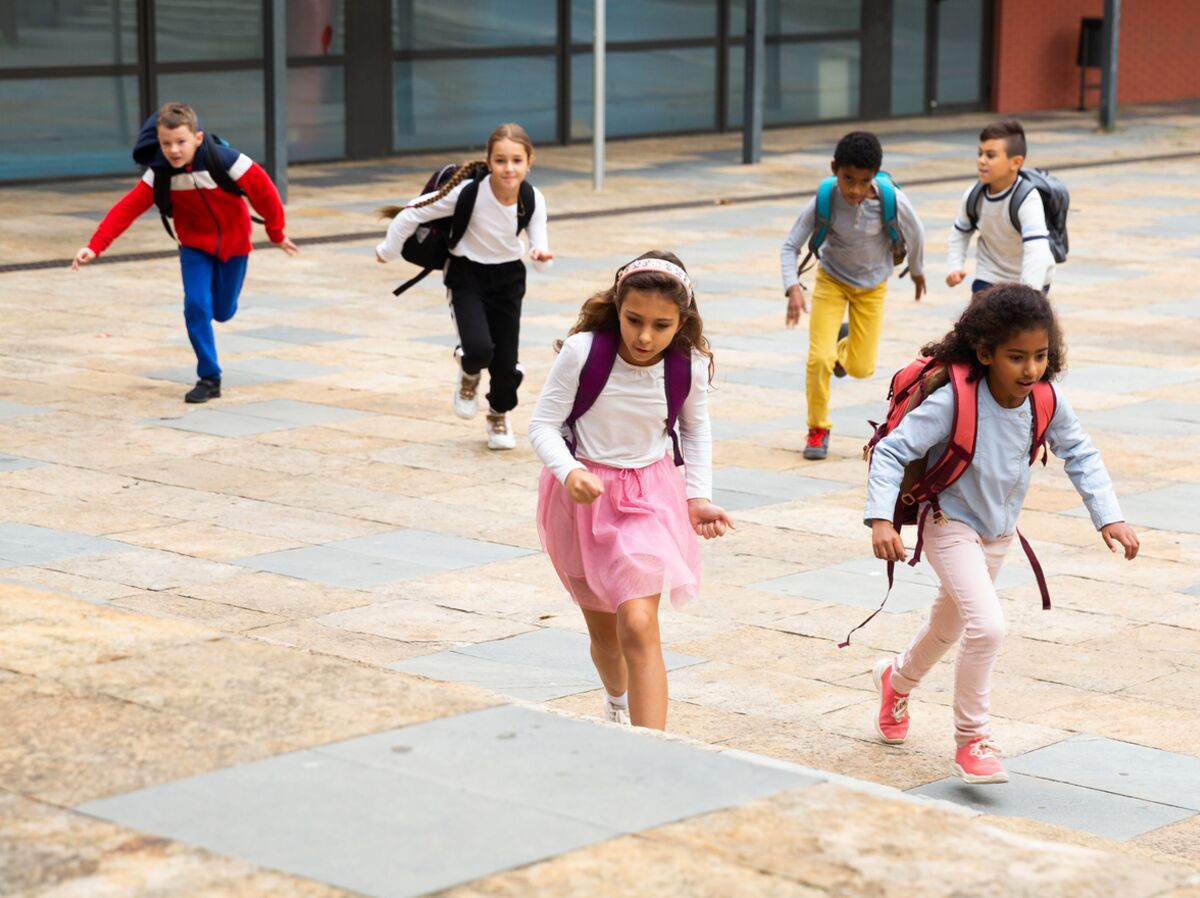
[[602, 356]]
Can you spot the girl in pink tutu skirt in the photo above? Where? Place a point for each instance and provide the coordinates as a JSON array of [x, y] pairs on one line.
[[623, 406]]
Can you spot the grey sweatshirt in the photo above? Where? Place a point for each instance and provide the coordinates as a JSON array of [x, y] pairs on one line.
[[857, 250]]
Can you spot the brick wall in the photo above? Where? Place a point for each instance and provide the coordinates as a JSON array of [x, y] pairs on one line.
[[1035, 43]]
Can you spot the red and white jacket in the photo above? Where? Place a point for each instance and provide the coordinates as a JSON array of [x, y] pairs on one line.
[[206, 217]]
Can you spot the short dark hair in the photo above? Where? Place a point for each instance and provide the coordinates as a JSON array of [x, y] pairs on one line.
[[859, 149], [1011, 131]]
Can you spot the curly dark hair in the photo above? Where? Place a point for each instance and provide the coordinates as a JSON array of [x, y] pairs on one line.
[[993, 317], [599, 312], [859, 149]]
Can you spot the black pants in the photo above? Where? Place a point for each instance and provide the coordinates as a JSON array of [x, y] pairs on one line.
[[485, 301]]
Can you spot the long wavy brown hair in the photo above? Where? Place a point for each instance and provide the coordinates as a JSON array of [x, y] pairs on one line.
[[601, 311], [994, 316], [476, 168]]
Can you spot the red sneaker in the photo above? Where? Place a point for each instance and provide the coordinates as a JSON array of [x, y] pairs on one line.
[[976, 763], [816, 445], [891, 723]]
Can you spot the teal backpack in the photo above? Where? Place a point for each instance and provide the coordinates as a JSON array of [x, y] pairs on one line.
[[887, 207]]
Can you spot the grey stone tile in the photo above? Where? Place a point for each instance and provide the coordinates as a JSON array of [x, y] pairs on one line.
[[17, 463], [295, 412], [1187, 307], [774, 378], [1125, 378], [862, 583], [369, 828], [528, 758], [283, 369], [724, 429], [740, 308], [26, 544], [854, 420], [17, 409], [428, 549], [1119, 767], [326, 564], [1102, 813], [249, 302], [738, 488], [1170, 508], [1160, 417], [526, 682], [220, 423], [782, 342], [1192, 590], [230, 377], [552, 649], [286, 333]]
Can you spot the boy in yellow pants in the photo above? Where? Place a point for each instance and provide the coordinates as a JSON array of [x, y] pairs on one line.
[[859, 225]]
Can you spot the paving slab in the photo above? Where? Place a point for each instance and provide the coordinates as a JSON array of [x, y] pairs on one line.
[[742, 487], [1063, 804], [250, 372], [1169, 508], [326, 564], [17, 463], [294, 412], [18, 409], [220, 423], [22, 544], [1123, 379], [288, 333], [1154, 417], [429, 549]]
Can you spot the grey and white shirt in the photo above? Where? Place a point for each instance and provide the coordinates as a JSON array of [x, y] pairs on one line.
[[1005, 254]]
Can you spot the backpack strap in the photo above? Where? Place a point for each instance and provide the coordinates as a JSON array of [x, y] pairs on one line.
[[526, 203], [463, 207], [677, 365], [592, 377], [821, 225], [887, 204], [162, 198], [1021, 191], [1044, 403], [974, 198], [960, 449]]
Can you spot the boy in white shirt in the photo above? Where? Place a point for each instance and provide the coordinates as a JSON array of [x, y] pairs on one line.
[[1004, 254]]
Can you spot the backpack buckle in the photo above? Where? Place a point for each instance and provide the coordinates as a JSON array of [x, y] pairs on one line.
[[908, 499]]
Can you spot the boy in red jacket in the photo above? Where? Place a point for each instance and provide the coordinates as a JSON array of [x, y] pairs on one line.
[[213, 225]]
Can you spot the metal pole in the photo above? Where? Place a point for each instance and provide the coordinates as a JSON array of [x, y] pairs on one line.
[[598, 50], [275, 92], [1108, 75], [755, 75]]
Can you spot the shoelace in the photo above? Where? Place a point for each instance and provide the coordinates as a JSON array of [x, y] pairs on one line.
[[815, 438], [899, 708], [985, 748]]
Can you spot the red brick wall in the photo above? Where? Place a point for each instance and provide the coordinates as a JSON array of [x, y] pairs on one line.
[[1035, 43]]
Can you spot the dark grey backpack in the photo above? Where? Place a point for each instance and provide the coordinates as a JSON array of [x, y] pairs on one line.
[[1055, 200]]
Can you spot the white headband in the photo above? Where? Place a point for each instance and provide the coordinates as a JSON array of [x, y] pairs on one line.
[[637, 266]]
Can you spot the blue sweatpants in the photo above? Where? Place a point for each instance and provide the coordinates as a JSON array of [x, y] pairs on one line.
[[210, 293]]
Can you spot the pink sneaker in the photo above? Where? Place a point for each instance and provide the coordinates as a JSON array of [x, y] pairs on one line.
[[976, 763], [892, 721]]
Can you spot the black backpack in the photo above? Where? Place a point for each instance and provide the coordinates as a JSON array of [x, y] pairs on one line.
[[212, 164], [1056, 200], [429, 247]]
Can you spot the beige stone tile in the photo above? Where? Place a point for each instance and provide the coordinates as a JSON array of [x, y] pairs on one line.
[[1082, 666], [1137, 720], [202, 539], [788, 653], [225, 618], [68, 585], [276, 594], [1176, 645], [362, 647], [145, 568], [1179, 841], [410, 621], [762, 693]]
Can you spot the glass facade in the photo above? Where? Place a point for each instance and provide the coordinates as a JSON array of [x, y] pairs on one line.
[[368, 77]]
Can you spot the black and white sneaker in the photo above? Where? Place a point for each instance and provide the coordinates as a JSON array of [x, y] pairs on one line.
[[205, 389]]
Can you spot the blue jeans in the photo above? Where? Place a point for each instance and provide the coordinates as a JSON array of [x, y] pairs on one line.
[[210, 293], [977, 285]]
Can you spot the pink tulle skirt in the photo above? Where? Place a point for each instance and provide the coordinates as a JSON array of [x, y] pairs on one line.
[[633, 541]]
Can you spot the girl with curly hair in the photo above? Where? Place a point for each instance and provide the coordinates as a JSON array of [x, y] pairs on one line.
[[1010, 339], [616, 519]]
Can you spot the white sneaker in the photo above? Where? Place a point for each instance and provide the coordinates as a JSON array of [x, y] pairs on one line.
[[616, 713], [499, 434], [466, 399]]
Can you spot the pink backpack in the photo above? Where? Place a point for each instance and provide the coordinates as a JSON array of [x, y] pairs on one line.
[[921, 482]]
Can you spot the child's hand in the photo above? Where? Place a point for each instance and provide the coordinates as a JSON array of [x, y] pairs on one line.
[[380, 259], [886, 541], [541, 255], [708, 520], [82, 257], [1120, 532], [583, 486], [288, 247], [919, 283], [954, 278], [796, 306]]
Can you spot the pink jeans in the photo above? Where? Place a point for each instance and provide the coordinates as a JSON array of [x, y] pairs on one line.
[[966, 606]]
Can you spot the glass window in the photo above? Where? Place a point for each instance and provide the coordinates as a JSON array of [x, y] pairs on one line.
[[316, 28], [89, 32], [648, 91], [959, 51], [36, 142], [316, 113], [430, 24], [807, 82], [186, 31], [642, 20], [457, 102], [229, 104], [807, 17], [908, 57]]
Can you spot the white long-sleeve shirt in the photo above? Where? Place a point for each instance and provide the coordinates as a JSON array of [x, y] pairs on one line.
[[1005, 254], [626, 427], [491, 236]]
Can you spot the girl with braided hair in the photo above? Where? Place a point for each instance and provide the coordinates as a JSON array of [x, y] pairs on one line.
[[485, 277], [617, 520], [1008, 341]]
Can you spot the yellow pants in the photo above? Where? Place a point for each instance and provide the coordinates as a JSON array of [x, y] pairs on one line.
[[856, 352]]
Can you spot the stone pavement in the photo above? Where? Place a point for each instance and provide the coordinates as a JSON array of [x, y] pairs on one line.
[[301, 641]]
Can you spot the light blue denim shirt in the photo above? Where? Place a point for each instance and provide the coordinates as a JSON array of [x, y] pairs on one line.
[[989, 495]]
